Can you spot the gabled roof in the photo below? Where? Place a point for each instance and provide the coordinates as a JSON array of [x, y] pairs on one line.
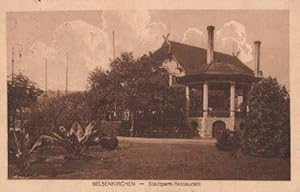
[[193, 60]]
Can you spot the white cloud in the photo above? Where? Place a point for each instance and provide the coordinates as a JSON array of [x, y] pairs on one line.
[[34, 63], [193, 36], [134, 30], [233, 35], [89, 46], [151, 38], [89, 43]]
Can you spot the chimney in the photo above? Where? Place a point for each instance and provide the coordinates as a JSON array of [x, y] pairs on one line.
[[257, 71], [210, 44]]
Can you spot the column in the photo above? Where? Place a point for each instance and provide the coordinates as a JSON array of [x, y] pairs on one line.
[[245, 98], [249, 88], [170, 80], [205, 109], [205, 99], [232, 105], [187, 102]]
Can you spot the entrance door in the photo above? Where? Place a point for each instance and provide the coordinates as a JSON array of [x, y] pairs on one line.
[[218, 128]]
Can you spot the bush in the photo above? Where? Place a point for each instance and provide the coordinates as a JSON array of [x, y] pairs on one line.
[[267, 126], [109, 143], [110, 128], [229, 141]]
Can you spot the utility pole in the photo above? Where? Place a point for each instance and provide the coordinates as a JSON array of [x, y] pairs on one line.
[[46, 76], [19, 52], [18, 48], [12, 63], [114, 50], [114, 57], [67, 73], [13, 83], [13, 86]]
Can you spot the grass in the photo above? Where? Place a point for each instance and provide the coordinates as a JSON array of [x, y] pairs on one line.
[[133, 160]]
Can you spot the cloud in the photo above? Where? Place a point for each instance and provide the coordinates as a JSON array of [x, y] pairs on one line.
[[233, 35], [90, 46], [193, 36], [87, 46], [134, 30], [89, 43], [35, 64], [151, 38]]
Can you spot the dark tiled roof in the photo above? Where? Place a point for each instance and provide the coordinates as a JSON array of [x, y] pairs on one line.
[[193, 60]]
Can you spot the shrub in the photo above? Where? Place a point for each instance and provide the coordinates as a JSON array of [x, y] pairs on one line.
[[110, 128], [267, 126], [109, 143], [228, 141]]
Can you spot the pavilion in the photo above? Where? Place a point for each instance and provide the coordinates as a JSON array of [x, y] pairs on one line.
[[217, 85]]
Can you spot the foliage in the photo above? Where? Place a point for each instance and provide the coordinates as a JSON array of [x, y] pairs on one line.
[[52, 112], [109, 143], [22, 94], [139, 86], [131, 83], [18, 147], [75, 141], [136, 85], [229, 140], [267, 127]]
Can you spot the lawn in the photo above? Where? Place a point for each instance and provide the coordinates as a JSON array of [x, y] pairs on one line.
[[159, 159]]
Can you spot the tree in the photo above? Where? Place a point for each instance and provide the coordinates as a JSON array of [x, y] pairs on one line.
[[22, 94], [100, 97], [138, 85], [267, 127], [52, 112]]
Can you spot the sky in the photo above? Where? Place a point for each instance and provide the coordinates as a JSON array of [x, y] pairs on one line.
[[85, 37]]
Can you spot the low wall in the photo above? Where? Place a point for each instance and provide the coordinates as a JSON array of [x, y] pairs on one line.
[[197, 123]]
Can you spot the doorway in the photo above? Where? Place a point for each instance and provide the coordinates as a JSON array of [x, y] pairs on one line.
[[218, 128]]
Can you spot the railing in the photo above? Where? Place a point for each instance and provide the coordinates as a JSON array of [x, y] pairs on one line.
[[196, 113], [216, 113], [219, 113], [213, 113], [240, 114]]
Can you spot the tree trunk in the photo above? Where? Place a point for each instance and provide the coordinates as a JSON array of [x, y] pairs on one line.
[[132, 123], [21, 119], [13, 117]]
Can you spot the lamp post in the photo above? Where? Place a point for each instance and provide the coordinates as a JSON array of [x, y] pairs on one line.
[[66, 54], [20, 49], [12, 108], [67, 71]]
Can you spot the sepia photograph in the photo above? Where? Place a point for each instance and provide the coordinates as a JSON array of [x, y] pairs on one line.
[[152, 94]]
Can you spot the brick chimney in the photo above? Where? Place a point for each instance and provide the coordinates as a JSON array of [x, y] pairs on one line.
[[257, 71], [210, 44]]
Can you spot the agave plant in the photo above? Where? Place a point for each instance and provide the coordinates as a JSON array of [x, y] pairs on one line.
[[18, 148], [76, 141]]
